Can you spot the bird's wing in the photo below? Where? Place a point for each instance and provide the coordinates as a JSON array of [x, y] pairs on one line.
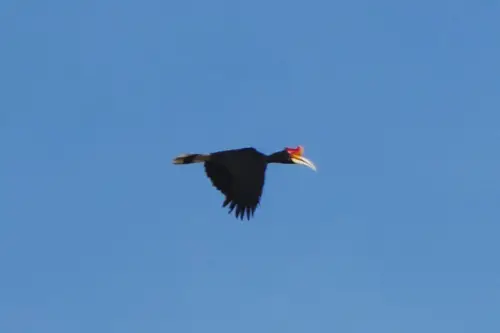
[[247, 190], [220, 177], [241, 180]]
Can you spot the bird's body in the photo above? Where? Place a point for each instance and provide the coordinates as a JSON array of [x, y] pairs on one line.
[[239, 174]]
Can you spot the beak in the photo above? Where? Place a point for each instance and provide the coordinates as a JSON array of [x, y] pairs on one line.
[[304, 161]]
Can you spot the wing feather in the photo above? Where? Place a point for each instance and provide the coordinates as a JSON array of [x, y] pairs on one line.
[[240, 176]]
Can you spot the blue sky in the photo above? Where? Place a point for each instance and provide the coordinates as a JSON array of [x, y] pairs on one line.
[[396, 102]]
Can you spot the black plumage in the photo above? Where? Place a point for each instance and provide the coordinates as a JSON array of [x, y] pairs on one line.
[[239, 174]]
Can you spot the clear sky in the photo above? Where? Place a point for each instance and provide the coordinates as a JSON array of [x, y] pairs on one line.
[[397, 103]]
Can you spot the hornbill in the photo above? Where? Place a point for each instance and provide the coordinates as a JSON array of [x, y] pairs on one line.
[[239, 173]]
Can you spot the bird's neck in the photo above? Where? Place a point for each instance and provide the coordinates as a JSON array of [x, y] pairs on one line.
[[277, 157]]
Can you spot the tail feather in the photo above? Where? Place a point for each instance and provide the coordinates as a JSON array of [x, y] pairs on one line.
[[190, 158]]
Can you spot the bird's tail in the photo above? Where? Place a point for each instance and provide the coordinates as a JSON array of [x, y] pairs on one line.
[[190, 158]]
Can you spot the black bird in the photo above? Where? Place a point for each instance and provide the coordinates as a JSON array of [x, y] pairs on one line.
[[239, 174]]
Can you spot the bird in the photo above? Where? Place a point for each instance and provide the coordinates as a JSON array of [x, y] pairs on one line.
[[239, 174]]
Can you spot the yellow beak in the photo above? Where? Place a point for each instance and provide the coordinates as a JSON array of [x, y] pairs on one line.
[[304, 161]]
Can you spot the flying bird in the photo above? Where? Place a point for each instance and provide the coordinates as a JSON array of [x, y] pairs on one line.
[[239, 174]]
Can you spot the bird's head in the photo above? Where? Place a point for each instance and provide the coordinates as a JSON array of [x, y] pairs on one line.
[[296, 156]]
